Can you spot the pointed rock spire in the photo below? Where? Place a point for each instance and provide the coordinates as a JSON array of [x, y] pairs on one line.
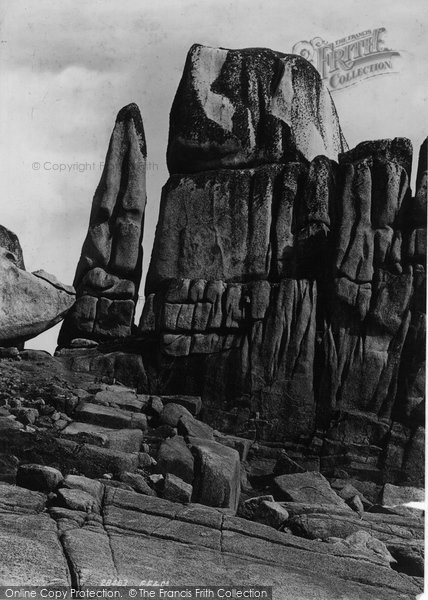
[[109, 270]]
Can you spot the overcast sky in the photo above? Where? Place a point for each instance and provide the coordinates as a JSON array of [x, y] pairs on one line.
[[68, 67]]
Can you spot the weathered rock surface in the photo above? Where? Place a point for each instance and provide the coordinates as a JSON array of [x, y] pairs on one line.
[[104, 527], [240, 108], [39, 478], [109, 271], [176, 489], [175, 457], [10, 242], [393, 495], [285, 306], [310, 488], [31, 302], [107, 364], [137, 534], [366, 544], [372, 284], [285, 288], [217, 474], [383, 527]]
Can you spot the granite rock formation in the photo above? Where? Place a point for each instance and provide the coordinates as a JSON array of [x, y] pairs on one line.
[[126, 533], [109, 270], [244, 108], [96, 474], [30, 302], [286, 284]]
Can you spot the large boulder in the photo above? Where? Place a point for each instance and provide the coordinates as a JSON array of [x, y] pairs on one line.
[[217, 474], [30, 302], [309, 487], [109, 270], [241, 108], [38, 477], [175, 457]]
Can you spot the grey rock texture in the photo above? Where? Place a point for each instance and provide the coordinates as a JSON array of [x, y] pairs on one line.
[[241, 108], [10, 241], [30, 302], [101, 508], [287, 280], [136, 533], [109, 270]]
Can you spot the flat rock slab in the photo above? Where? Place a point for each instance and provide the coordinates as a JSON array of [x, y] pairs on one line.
[[395, 495], [124, 440], [382, 527], [125, 398], [192, 403], [91, 486], [151, 538], [107, 416], [20, 499], [30, 551], [77, 499], [168, 541], [310, 487]]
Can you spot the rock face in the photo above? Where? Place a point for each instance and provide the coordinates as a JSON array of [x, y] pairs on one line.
[[242, 108], [286, 284], [30, 302], [109, 271], [10, 241]]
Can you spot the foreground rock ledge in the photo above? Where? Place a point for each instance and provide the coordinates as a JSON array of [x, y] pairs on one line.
[[138, 536]]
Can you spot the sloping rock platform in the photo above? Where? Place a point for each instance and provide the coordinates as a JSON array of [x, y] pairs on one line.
[[137, 538]]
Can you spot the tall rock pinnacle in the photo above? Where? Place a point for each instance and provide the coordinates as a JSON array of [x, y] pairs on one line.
[[109, 270]]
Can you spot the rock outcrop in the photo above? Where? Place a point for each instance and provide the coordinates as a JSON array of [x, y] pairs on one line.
[[30, 302], [109, 271], [243, 108], [72, 539], [286, 284]]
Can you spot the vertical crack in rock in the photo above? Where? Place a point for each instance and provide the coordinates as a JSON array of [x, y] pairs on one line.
[[102, 512], [109, 271], [73, 570]]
